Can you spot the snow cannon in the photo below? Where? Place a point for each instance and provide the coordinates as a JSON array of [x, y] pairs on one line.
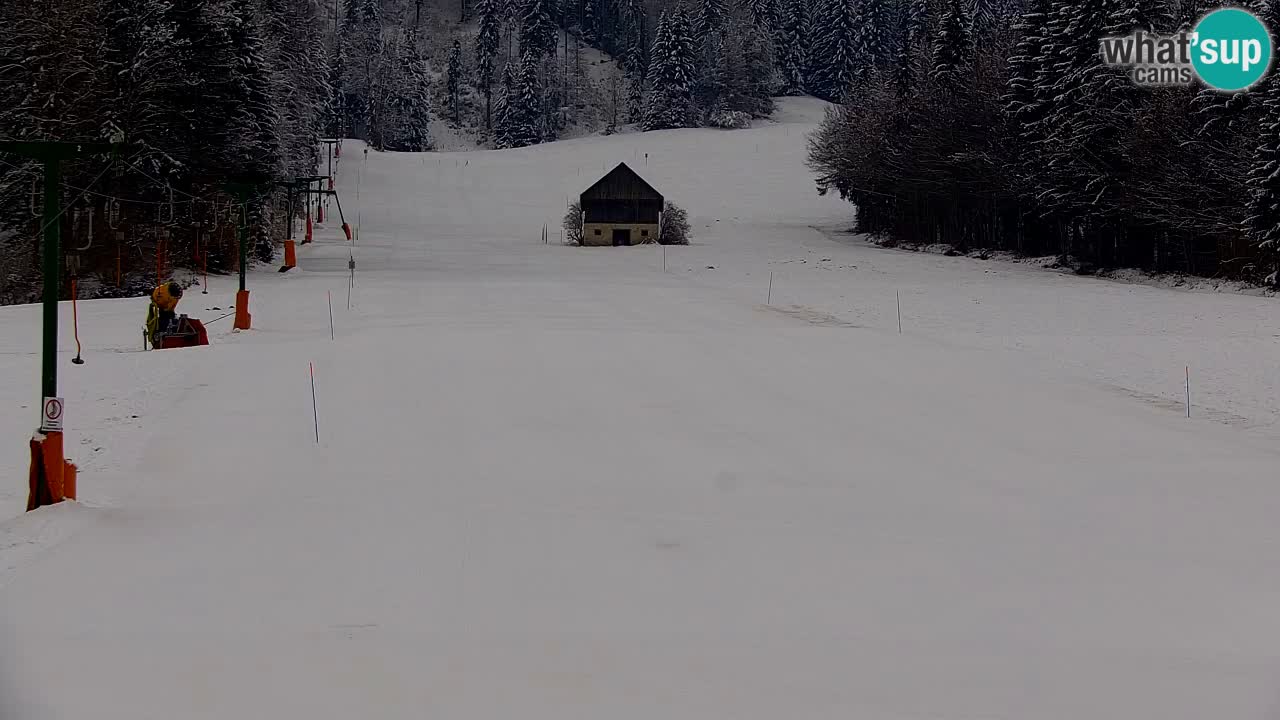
[[189, 333]]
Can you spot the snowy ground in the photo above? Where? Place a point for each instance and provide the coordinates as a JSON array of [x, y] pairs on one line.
[[558, 482]]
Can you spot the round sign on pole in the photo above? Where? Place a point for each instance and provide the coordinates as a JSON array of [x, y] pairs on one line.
[[52, 414]]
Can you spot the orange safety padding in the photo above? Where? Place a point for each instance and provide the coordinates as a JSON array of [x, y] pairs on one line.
[[290, 254], [346, 228], [69, 480], [54, 463], [39, 493], [243, 318], [309, 231], [47, 470]]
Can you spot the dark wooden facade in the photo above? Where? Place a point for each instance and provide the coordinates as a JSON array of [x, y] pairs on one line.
[[622, 196]]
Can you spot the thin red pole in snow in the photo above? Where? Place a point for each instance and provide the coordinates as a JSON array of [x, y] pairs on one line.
[[898, 299], [315, 413]]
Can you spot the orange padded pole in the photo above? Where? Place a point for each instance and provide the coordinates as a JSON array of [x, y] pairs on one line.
[[243, 318]]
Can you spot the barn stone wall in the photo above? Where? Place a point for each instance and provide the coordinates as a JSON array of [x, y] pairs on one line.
[[589, 236]]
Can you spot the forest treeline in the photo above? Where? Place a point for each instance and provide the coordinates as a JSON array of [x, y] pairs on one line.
[[205, 91], [202, 92], [979, 123], [996, 125]]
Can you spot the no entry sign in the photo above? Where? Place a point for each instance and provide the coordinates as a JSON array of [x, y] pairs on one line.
[[51, 414]]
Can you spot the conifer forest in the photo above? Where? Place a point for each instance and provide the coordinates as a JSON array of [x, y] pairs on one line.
[[979, 124]]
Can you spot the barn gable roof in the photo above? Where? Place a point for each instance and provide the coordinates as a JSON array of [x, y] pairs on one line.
[[621, 183]]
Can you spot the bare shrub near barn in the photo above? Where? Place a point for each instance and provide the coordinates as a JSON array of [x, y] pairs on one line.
[[674, 229], [573, 224]]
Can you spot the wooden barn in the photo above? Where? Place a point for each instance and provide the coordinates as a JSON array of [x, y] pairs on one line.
[[620, 209]]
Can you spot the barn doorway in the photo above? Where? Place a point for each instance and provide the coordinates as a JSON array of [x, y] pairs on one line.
[[621, 236]]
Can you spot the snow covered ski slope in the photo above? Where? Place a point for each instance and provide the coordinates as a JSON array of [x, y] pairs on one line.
[[562, 483]]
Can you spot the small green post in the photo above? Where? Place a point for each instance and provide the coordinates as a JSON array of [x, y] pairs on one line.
[[52, 237]]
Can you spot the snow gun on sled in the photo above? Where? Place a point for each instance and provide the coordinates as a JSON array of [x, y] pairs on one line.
[[185, 332], [162, 330]]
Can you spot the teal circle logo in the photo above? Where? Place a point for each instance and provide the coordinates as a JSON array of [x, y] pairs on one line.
[[1231, 50]]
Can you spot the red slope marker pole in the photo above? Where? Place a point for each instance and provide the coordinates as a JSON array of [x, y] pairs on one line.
[[315, 412]]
